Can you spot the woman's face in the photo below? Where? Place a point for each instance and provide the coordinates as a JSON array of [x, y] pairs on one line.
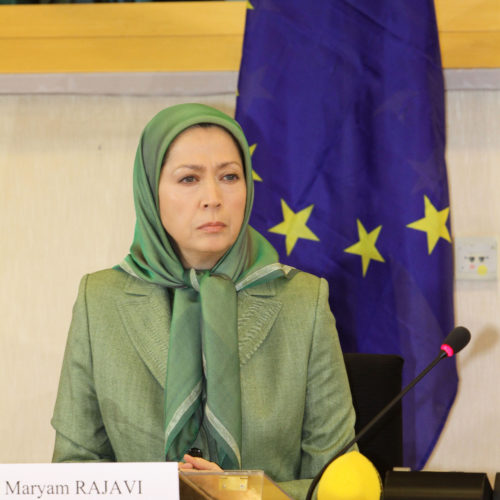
[[202, 195]]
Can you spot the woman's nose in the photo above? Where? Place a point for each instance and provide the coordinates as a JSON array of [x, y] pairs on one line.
[[212, 196]]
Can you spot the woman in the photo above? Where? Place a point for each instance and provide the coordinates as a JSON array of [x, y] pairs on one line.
[[200, 338]]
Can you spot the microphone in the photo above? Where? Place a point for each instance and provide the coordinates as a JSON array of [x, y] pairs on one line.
[[350, 477], [456, 340]]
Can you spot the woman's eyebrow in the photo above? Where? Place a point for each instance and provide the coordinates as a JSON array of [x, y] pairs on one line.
[[189, 166], [197, 168], [227, 163]]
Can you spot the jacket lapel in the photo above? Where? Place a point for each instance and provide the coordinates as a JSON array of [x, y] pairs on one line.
[[145, 311], [257, 312]]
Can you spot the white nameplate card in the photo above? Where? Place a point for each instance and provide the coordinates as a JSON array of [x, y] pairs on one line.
[[90, 481]]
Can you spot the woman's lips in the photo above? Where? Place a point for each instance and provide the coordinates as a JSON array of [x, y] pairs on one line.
[[212, 227]]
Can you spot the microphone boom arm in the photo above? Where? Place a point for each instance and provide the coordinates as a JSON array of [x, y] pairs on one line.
[[370, 424], [389, 407]]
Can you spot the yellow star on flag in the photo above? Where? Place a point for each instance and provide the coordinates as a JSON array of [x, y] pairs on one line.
[[434, 224], [249, 6], [294, 226], [365, 247], [255, 175]]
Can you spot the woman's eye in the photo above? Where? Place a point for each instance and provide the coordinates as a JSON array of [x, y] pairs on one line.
[[231, 177], [188, 179]]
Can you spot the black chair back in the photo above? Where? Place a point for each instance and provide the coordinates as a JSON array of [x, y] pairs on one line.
[[375, 379]]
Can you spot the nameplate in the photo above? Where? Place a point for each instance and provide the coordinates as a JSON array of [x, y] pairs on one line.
[[86, 481]]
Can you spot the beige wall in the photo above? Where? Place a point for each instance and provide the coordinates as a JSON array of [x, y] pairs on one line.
[[471, 437], [66, 209]]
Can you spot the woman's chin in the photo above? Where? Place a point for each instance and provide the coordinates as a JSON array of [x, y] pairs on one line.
[[203, 259]]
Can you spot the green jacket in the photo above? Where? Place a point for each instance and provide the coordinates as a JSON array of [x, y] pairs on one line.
[[296, 404]]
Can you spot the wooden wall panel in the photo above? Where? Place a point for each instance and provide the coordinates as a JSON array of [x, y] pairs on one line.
[[190, 36], [127, 19], [128, 54], [469, 32], [170, 36]]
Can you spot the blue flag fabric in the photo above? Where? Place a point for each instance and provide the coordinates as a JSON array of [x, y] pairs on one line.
[[343, 104]]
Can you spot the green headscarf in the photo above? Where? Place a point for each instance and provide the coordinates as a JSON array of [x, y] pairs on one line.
[[202, 389]]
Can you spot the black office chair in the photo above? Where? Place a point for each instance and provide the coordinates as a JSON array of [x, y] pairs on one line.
[[375, 379]]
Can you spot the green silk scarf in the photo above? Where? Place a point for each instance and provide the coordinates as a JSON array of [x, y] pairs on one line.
[[203, 375]]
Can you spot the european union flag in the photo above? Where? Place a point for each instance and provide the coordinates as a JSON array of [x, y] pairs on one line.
[[343, 104]]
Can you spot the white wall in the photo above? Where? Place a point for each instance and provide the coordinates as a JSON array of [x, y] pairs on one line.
[[66, 209], [471, 438]]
